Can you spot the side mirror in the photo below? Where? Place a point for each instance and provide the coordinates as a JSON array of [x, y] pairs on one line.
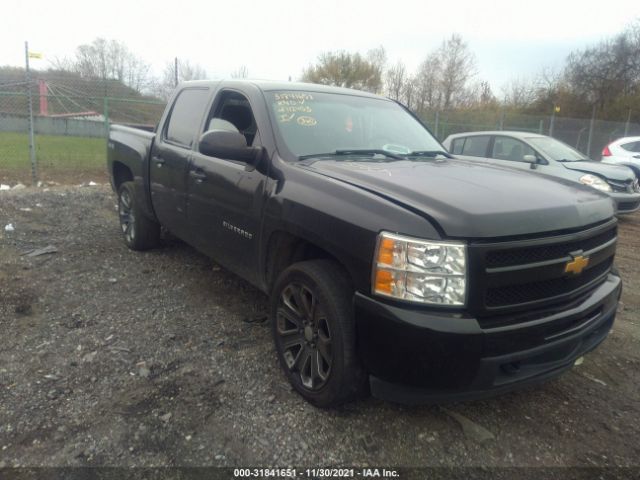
[[532, 159], [228, 145]]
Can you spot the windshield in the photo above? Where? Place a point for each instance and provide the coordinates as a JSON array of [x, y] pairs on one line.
[[311, 123], [556, 150]]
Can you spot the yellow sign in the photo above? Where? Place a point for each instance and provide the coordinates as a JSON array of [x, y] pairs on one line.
[[557, 109], [35, 55], [576, 265]]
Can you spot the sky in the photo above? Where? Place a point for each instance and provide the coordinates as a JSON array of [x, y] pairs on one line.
[[276, 39]]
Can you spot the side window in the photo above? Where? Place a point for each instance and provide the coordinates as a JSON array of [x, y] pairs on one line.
[[505, 148], [232, 111], [456, 146], [631, 147], [186, 115], [476, 146]]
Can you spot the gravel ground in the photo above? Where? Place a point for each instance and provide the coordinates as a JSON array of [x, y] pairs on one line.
[[110, 357]]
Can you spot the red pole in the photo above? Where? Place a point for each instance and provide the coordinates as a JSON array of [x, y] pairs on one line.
[[44, 103]]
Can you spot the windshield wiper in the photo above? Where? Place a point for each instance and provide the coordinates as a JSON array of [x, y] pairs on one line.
[[354, 151], [370, 151], [429, 153]]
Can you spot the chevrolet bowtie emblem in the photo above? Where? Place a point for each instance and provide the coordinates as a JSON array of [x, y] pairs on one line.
[[576, 265]]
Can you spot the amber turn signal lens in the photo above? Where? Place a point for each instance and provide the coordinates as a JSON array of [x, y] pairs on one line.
[[385, 251], [384, 282]]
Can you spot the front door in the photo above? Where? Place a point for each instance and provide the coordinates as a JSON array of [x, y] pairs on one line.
[[511, 152], [225, 197]]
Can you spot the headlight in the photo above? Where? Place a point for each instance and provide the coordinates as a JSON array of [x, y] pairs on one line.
[[595, 182], [420, 271]]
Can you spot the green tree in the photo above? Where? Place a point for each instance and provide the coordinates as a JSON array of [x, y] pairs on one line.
[[344, 69], [607, 70]]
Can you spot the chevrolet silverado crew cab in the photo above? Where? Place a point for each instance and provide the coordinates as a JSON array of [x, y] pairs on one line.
[[390, 268]]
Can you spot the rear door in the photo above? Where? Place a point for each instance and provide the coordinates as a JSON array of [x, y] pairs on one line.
[[631, 149], [170, 158], [472, 147]]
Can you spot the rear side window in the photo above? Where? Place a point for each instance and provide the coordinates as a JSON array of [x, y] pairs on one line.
[[456, 146], [631, 147], [476, 146], [186, 115]]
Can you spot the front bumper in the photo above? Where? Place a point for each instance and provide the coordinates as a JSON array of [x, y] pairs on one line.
[[420, 356], [626, 202]]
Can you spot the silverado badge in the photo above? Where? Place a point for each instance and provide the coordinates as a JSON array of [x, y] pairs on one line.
[[576, 265]]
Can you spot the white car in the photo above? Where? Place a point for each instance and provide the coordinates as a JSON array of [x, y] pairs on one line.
[[624, 151]]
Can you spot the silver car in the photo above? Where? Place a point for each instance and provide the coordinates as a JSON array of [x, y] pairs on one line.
[[546, 155]]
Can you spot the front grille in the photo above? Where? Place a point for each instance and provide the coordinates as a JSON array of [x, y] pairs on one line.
[[545, 289], [628, 186], [621, 186], [519, 277], [628, 205], [503, 258]]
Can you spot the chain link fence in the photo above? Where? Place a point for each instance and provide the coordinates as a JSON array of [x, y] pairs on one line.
[[589, 136], [71, 118]]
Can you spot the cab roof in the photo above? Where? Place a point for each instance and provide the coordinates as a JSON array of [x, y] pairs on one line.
[[268, 86]]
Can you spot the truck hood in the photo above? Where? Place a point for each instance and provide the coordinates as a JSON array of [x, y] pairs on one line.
[[612, 172], [471, 200]]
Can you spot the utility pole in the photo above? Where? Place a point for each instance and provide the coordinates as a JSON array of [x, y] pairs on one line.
[[626, 125], [591, 125], [32, 147], [175, 71], [556, 109]]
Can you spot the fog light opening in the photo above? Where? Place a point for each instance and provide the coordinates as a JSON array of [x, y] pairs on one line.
[[511, 368]]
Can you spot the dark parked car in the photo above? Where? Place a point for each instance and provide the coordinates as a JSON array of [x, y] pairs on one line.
[[546, 155], [389, 267]]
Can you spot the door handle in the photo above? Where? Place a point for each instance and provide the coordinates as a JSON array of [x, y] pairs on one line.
[[199, 175], [159, 161]]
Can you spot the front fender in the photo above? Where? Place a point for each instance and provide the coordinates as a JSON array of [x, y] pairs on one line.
[[340, 218]]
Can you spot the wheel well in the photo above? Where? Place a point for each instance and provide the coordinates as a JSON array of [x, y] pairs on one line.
[[285, 249], [121, 174]]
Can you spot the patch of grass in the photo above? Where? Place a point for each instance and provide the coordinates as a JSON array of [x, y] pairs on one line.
[[52, 151], [61, 158]]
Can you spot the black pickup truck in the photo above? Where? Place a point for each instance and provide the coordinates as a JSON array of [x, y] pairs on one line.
[[389, 268]]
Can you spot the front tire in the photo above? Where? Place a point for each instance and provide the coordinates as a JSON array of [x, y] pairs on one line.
[[313, 329], [139, 232]]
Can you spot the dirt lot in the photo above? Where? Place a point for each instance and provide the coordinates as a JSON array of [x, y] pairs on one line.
[[110, 357]]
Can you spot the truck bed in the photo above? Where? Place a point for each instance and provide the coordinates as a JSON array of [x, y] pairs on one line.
[[130, 147]]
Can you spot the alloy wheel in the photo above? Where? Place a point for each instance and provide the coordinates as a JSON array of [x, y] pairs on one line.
[[127, 218], [304, 334]]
